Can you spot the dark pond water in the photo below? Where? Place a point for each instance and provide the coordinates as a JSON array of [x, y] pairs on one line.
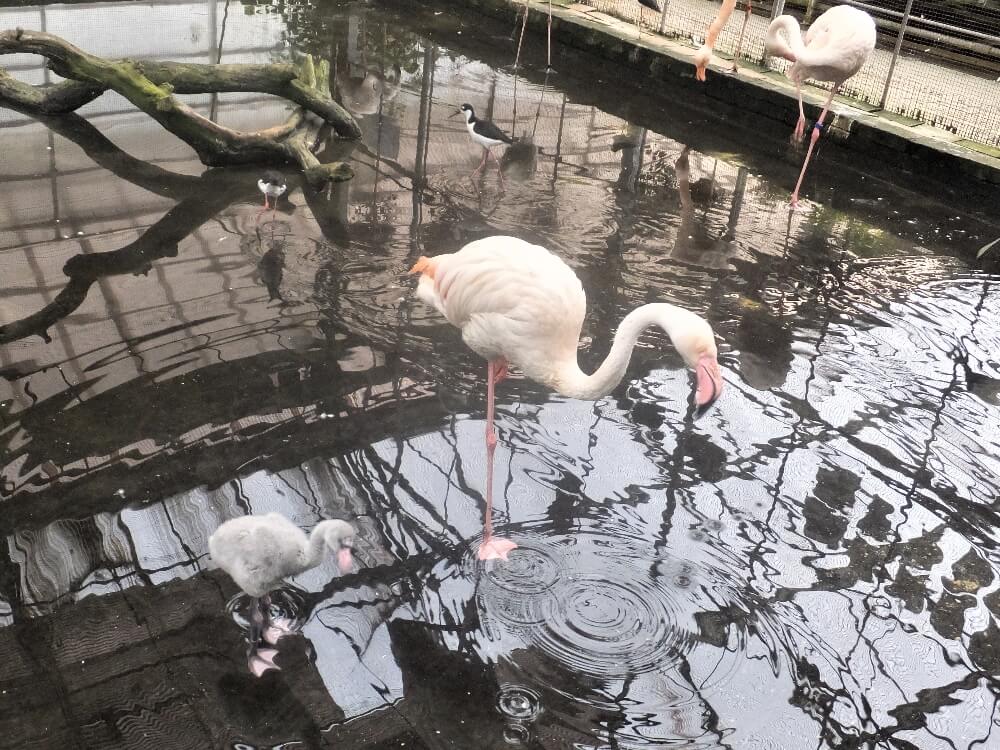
[[813, 563]]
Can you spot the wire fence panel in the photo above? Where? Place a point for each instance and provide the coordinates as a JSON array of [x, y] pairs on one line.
[[937, 61]]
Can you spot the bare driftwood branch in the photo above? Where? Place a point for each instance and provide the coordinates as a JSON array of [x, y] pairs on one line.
[[150, 87]]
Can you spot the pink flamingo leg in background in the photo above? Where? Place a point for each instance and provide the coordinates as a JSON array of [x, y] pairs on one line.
[[812, 142], [492, 548], [800, 126], [524, 25], [747, 11], [548, 57]]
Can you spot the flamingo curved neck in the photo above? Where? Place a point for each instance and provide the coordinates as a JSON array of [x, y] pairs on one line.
[[795, 49], [315, 550], [571, 381]]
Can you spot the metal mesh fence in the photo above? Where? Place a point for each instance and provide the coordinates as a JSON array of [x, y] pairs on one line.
[[937, 61]]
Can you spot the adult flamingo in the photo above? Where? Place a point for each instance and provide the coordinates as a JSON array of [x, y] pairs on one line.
[[518, 304], [836, 45], [704, 54]]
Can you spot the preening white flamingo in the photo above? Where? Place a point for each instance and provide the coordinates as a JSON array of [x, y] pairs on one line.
[[259, 552], [704, 54], [836, 45], [518, 304]]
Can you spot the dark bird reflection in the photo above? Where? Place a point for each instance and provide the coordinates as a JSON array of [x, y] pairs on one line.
[[271, 268]]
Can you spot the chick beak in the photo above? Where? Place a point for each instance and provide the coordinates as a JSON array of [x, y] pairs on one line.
[[708, 382], [456, 113]]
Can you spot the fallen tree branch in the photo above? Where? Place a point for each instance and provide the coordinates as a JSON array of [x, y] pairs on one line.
[[150, 87]]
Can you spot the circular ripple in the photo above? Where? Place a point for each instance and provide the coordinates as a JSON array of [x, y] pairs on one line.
[[530, 570], [517, 587], [516, 734], [611, 626], [518, 702], [287, 605]]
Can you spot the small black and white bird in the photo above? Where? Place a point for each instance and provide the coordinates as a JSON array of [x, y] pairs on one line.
[[272, 185], [485, 133]]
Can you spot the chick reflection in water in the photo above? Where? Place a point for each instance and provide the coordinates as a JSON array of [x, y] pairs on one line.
[[259, 552], [519, 304]]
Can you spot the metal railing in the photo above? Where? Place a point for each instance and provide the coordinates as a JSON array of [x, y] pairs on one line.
[[937, 61]]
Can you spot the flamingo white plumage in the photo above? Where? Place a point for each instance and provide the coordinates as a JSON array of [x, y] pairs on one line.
[[260, 552], [518, 304], [836, 45]]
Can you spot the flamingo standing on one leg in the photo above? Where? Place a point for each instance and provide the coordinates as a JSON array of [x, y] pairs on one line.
[[836, 46], [519, 304], [704, 54]]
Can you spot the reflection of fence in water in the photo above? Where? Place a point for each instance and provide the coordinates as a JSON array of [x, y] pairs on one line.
[[955, 90]]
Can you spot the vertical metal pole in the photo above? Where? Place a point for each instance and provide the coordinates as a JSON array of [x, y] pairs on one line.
[[663, 16], [895, 52], [777, 9], [214, 52], [423, 128]]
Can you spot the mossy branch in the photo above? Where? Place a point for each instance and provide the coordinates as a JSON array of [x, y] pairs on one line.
[[150, 87]]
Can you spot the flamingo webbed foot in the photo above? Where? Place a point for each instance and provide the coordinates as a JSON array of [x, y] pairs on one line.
[[277, 629], [495, 548], [262, 659]]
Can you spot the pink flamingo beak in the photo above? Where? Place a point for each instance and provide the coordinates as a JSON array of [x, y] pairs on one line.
[[345, 561], [709, 381]]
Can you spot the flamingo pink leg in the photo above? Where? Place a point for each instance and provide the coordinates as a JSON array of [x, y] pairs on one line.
[[548, 57], [739, 42], [524, 25], [812, 142], [500, 370], [261, 660], [492, 548], [800, 126]]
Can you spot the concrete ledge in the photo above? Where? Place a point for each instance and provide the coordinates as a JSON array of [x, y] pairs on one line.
[[895, 141]]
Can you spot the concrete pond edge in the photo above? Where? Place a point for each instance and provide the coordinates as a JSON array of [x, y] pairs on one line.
[[862, 133]]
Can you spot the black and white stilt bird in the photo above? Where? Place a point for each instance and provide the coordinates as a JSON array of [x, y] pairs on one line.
[[272, 185], [486, 134]]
